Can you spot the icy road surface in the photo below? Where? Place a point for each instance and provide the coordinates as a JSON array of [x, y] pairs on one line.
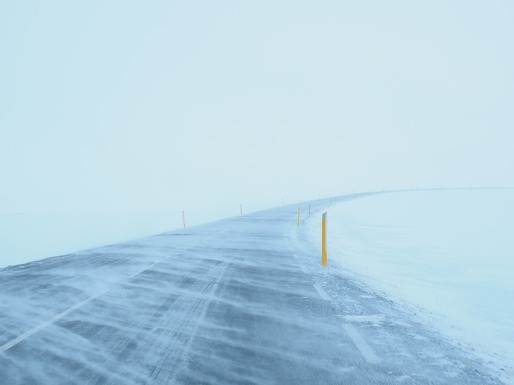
[[239, 301]]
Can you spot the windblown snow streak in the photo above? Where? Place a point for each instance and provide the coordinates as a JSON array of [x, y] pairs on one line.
[[233, 302]]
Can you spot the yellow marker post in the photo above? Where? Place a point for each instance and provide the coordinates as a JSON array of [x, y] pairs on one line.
[[298, 220], [183, 219], [324, 240]]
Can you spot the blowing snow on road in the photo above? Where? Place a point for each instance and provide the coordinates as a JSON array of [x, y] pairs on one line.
[[242, 300]]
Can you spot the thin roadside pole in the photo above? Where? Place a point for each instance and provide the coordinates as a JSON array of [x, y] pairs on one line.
[[324, 239], [183, 219]]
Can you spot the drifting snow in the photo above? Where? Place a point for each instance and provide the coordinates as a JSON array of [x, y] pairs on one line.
[[236, 301], [449, 253]]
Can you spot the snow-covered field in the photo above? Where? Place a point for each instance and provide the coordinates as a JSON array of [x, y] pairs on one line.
[[26, 237], [29, 237], [446, 254]]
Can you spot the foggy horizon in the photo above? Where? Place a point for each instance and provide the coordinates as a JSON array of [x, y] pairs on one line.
[[128, 107]]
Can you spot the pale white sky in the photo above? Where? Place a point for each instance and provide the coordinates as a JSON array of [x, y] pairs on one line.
[[134, 106]]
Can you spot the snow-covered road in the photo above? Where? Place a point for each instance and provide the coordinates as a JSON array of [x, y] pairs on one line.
[[238, 301]]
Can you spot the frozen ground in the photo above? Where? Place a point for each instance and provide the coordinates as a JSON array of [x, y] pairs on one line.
[[448, 255], [238, 301], [32, 236], [29, 237]]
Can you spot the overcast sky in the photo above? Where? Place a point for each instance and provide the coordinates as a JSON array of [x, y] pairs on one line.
[[145, 105]]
